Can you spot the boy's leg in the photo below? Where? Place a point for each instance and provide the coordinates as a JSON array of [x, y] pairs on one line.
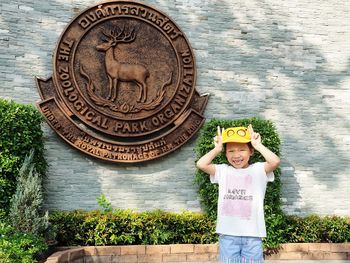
[[230, 249], [252, 250]]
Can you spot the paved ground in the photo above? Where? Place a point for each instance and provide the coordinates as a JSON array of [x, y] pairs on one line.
[[289, 261], [307, 261]]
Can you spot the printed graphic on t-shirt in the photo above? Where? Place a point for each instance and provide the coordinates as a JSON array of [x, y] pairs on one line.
[[238, 197]]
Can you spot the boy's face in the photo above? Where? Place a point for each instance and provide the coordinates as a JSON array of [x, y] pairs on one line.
[[238, 154]]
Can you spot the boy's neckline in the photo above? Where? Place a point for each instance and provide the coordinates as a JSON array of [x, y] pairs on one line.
[[240, 168]]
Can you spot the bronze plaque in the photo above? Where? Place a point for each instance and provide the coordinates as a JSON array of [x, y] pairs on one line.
[[123, 84]]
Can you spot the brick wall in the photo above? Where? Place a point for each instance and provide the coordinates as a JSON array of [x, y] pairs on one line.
[[183, 253], [281, 60]]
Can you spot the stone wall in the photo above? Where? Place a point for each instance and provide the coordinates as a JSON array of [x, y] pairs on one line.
[[280, 60]]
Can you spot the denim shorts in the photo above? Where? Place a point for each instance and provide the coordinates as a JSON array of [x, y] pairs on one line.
[[240, 249]]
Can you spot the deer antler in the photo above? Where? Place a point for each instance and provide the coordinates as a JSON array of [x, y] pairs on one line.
[[107, 34], [122, 37], [119, 35]]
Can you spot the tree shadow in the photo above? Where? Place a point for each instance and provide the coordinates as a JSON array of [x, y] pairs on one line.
[[262, 63]]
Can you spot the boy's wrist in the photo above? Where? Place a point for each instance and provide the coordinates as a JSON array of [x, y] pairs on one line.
[[258, 146], [217, 150]]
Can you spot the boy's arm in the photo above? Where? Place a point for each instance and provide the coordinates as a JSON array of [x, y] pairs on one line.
[[272, 161], [205, 162]]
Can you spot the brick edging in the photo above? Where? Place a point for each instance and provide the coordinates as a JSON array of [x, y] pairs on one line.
[[192, 253], [316, 251], [139, 253]]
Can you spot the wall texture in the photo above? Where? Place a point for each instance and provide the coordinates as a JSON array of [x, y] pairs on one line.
[[281, 60]]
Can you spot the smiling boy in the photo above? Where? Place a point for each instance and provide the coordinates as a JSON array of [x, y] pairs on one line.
[[242, 186]]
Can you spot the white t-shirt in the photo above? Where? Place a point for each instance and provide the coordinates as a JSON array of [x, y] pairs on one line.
[[241, 199]]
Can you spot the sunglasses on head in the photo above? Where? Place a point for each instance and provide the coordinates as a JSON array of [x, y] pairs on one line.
[[240, 132]]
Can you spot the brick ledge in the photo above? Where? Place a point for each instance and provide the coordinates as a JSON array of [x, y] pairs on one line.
[[190, 253], [316, 251]]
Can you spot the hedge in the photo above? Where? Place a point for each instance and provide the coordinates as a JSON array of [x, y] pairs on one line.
[[316, 229], [20, 131], [18, 247], [126, 227]]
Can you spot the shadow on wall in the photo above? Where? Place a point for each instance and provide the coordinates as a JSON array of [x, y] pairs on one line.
[[255, 49]]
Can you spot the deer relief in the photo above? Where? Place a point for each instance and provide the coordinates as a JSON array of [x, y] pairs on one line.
[[117, 71]]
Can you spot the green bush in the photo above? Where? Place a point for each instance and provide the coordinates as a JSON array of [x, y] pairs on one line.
[[335, 229], [26, 204], [20, 132], [176, 228], [316, 229], [126, 227], [18, 247]]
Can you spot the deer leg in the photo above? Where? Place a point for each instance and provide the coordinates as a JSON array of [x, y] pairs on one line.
[[115, 84], [110, 88], [140, 92], [144, 87], [142, 96]]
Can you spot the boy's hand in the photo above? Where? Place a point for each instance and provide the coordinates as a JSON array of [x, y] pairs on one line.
[[272, 161], [218, 140], [205, 163], [255, 137]]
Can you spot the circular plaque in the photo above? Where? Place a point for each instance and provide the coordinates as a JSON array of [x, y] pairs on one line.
[[123, 83], [125, 69]]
